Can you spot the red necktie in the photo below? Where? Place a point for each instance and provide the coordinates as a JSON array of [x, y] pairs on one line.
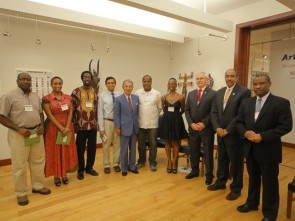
[[130, 104], [199, 95]]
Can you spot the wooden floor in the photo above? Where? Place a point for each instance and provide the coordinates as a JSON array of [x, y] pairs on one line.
[[147, 196]]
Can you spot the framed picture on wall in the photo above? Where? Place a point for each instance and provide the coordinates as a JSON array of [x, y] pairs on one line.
[[40, 80]]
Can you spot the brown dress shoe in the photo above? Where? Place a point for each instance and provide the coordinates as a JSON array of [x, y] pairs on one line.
[[107, 170], [43, 191], [22, 200], [117, 169], [232, 196]]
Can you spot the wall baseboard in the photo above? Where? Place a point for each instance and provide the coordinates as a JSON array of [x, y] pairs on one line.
[[8, 161], [5, 162], [285, 144]]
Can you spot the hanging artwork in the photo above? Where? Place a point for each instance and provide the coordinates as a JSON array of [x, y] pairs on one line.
[[40, 80], [185, 83], [96, 78]]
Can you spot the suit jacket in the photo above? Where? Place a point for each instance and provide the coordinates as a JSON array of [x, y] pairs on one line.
[[225, 118], [273, 122], [200, 112], [124, 118]]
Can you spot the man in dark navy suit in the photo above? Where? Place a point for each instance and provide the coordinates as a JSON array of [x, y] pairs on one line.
[[262, 121], [223, 115]]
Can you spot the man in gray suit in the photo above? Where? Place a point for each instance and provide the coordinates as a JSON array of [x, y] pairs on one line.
[[197, 113], [223, 115], [126, 126]]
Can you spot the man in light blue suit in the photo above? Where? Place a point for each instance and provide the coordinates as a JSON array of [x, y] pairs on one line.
[[127, 126]]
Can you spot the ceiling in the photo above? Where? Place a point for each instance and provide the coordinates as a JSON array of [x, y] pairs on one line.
[[178, 20], [172, 20], [217, 6]]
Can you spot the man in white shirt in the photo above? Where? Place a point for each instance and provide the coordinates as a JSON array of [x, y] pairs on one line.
[[106, 125], [149, 110]]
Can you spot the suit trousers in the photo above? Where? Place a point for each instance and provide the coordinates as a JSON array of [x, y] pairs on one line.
[[149, 134], [230, 155], [112, 137], [128, 160], [20, 155], [207, 141], [268, 173], [83, 137]]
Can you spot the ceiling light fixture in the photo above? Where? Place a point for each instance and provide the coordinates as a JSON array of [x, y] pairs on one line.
[[224, 37], [199, 52], [91, 40], [171, 51], [108, 44], [7, 33], [38, 39]]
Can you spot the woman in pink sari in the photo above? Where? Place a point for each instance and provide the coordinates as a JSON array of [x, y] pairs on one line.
[[60, 158]]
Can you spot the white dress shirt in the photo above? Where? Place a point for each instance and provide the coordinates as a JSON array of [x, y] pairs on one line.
[[149, 108], [105, 107]]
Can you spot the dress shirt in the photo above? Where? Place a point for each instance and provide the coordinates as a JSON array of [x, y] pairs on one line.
[[105, 107], [149, 108], [263, 99], [12, 106], [231, 90]]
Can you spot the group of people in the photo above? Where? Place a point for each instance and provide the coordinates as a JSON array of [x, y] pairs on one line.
[[246, 127]]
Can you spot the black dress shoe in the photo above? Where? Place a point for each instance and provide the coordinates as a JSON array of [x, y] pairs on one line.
[[92, 172], [208, 181], [80, 176], [191, 176], [215, 187], [124, 173], [133, 171], [246, 208], [232, 196], [267, 219]]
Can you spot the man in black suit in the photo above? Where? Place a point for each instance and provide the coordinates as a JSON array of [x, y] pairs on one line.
[[230, 155], [262, 121], [197, 112]]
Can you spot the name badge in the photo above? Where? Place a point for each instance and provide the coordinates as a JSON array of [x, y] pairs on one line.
[[64, 107], [29, 107], [171, 109], [88, 104]]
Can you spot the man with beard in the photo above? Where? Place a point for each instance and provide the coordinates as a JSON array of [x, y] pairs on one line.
[[21, 112], [85, 124]]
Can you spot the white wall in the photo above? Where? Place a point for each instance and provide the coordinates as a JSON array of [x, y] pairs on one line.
[[282, 72], [67, 52]]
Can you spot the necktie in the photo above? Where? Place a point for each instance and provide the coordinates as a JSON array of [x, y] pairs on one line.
[[226, 96], [130, 104], [199, 95], [258, 105], [113, 96]]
